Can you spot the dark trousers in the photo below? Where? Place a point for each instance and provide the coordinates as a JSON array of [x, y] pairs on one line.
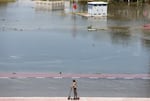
[[75, 92]]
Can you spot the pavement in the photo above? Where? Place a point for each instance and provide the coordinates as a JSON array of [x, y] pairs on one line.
[[65, 99], [92, 87], [56, 87]]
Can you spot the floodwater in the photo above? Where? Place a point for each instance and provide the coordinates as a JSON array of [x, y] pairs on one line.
[[34, 39]]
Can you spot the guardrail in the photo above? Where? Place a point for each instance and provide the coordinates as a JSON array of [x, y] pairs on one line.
[[62, 75]]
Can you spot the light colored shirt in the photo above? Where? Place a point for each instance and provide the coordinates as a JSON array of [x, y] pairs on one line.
[[74, 85]]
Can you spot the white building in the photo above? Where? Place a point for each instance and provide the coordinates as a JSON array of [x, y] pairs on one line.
[[97, 8]]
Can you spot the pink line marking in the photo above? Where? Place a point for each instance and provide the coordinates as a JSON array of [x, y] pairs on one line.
[[54, 75]]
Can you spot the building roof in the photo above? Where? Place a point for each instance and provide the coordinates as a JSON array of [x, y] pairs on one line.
[[97, 2]]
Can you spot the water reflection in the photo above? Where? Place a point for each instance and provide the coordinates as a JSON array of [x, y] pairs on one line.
[[146, 43], [74, 27], [125, 12], [120, 36]]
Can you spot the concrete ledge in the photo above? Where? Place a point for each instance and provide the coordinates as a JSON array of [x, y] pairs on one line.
[[65, 99]]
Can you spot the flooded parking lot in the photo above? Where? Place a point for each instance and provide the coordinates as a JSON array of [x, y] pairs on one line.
[[39, 40]]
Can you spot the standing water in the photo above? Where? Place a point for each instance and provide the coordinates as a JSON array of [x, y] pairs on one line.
[[37, 40]]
